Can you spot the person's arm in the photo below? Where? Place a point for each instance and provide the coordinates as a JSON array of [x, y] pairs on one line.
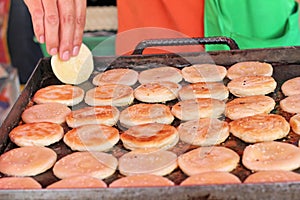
[[59, 24]]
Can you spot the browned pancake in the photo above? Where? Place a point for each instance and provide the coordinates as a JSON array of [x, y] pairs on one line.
[[158, 74], [19, 183], [78, 182], [116, 76], [214, 177], [291, 87]]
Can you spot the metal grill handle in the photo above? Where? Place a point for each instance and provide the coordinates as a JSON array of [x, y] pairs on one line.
[[184, 41]]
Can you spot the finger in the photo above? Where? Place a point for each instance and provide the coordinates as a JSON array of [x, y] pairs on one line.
[[79, 25], [36, 10], [67, 27], [51, 21]]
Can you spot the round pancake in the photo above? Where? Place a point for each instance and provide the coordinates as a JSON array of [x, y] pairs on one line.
[[19, 183], [27, 161], [249, 106], [194, 109], [204, 132], [66, 94], [158, 74], [96, 164], [147, 161], [92, 138], [215, 90], [205, 159], [46, 112], [214, 177], [291, 87], [106, 115], [157, 92], [78, 182], [36, 134], [116, 76], [259, 128], [291, 104], [141, 180], [153, 135], [109, 94], [249, 69], [266, 156], [146, 113], [77, 69], [273, 176], [204, 73], [252, 85], [295, 123]]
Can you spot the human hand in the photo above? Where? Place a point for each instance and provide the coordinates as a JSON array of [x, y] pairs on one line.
[[59, 24]]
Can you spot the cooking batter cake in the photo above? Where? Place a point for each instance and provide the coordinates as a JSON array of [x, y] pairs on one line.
[[116, 76], [163, 73], [273, 176], [19, 183], [291, 104], [291, 87], [78, 182]]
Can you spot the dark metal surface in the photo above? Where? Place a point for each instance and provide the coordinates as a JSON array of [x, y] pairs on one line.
[[286, 63]]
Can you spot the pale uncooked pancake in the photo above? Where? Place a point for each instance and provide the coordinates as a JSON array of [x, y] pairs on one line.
[[46, 112], [110, 94], [273, 177], [92, 138], [215, 90], [259, 128], [205, 159], [107, 115], [116, 76], [295, 123], [65, 94], [146, 113], [147, 161], [157, 92], [153, 135], [142, 180], [204, 73], [252, 85], [249, 69], [36, 134], [204, 132], [27, 161], [194, 109], [214, 177], [249, 106], [96, 164], [158, 74], [291, 87], [291, 104], [266, 156], [77, 69], [78, 182], [19, 183]]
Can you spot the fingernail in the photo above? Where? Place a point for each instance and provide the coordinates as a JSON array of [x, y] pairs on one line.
[[53, 51], [66, 55], [75, 50], [42, 39]]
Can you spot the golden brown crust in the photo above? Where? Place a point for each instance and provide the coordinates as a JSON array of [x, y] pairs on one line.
[[46, 112], [19, 183], [295, 123], [158, 74], [92, 138], [204, 73], [27, 161], [291, 87], [249, 106], [153, 135], [109, 94], [36, 134], [266, 156], [273, 177], [259, 128], [194, 109], [252, 85], [215, 90], [249, 69], [157, 92], [66, 94], [142, 180], [291, 104], [146, 113], [107, 115], [116, 76]]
